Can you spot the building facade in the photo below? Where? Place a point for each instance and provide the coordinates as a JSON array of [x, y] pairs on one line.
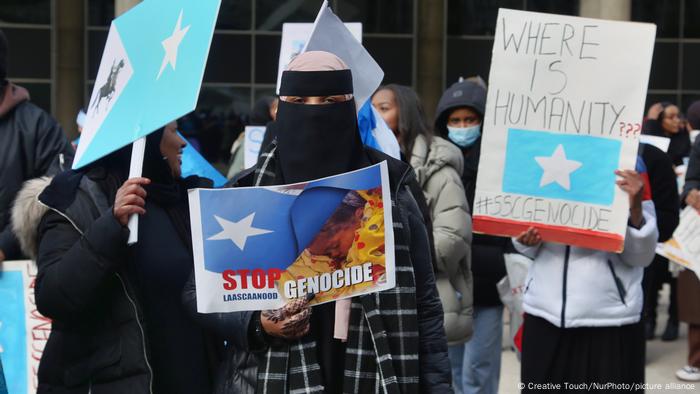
[[56, 45]]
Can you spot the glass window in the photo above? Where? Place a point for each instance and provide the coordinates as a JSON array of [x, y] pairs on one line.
[[95, 46], [467, 58], [29, 54], [569, 7], [229, 59], [271, 14], [223, 99], [476, 17], [40, 94], [100, 12], [688, 99], [691, 66], [394, 56], [664, 13], [26, 11], [262, 92], [234, 15], [653, 98], [664, 66], [267, 53], [692, 13], [386, 16]]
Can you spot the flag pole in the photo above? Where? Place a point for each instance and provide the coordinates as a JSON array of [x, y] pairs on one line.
[[138, 149]]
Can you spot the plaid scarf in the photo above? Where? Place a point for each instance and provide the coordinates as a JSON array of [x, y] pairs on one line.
[[382, 348]]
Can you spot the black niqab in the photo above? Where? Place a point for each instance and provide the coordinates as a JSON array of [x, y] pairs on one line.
[[316, 141]]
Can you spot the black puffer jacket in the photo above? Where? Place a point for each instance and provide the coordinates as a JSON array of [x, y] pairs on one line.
[[488, 264], [99, 341], [30, 144], [239, 372]]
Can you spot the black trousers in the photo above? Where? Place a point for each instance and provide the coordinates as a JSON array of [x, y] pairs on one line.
[[655, 275], [608, 356]]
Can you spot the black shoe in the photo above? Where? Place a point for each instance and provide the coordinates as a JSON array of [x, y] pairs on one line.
[[671, 331], [649, 329]]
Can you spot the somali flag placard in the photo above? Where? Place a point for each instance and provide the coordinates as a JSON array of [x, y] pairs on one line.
[[561, 166], [150, 74], [246, 241]]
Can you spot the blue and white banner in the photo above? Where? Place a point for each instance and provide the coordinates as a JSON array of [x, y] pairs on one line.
[[193, 163], [257, 247], [23, 331], [150, 74], [563, 112]]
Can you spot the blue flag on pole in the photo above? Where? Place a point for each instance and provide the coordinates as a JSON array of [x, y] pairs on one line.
[[561, 166], [150, 74]]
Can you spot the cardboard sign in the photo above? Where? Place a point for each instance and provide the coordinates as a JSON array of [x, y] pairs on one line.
[[294, 39], [150, 73], [23, 331], [256, 248], [563, 112], [684, 247], [252, 144]]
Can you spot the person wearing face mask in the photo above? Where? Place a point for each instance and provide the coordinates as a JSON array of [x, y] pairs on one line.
[[459, 117], [438, 165], [391, 340], [118, 324]]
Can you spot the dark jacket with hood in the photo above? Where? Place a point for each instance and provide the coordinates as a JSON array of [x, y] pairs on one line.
[[488, 264], [99, 341], [31, 145]]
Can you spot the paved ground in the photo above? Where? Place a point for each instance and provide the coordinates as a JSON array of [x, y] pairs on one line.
[[663, 359]]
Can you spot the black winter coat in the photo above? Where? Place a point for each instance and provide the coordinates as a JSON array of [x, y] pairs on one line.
[[238, 374], [664, 189], [488, 263], [30, 144], [98, 343]]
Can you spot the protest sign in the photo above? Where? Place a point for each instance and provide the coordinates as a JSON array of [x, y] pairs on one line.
[[684, 247], [563, 112], [150, 73], [258, 247], [23, 331], [294, 39], [252, 144]]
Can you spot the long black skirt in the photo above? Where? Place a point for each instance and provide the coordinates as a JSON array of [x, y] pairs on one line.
[[606, 359]]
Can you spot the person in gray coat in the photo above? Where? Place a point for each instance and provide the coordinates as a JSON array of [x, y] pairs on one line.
[[438, 165]]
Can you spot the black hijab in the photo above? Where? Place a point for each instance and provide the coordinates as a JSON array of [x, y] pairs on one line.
[[316, 141]]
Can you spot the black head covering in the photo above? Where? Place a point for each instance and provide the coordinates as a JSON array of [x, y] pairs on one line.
[[466, 93], [3, 57], [316, 141]]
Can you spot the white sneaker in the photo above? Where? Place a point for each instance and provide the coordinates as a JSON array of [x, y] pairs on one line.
[[689, 374]]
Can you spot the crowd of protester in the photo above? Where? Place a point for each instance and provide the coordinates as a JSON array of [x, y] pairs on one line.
[[125, 318]]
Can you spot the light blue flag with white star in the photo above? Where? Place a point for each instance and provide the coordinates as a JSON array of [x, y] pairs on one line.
[[150, 74]]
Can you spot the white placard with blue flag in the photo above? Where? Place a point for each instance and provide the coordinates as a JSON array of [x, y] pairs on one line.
[[23, 331], [258, 247], [150, 73], [563, 112]]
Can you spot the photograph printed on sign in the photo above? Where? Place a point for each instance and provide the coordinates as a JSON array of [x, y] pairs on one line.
[[563, 112], [256, 248]]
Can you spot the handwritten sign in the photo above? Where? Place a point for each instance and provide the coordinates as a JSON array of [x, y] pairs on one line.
[[563, 112], [685, 240], [23, 331]]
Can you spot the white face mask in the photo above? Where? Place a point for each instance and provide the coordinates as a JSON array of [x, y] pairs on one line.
[[464, 136]]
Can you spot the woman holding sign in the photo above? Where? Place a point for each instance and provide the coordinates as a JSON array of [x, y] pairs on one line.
[[118, 322], [328, 348], [583, 306]]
